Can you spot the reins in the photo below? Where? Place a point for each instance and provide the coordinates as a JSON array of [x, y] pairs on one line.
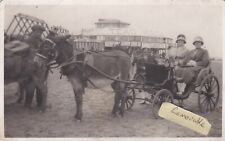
[[81, 65], [93, 84], [46, 59], [104, 74]]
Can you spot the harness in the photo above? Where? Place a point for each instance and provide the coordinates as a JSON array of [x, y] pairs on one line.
[[39, 58], [81, 65], [42, 56]]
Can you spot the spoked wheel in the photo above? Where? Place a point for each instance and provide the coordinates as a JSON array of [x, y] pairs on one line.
[[130, 99], [209, 93], [161, 96]]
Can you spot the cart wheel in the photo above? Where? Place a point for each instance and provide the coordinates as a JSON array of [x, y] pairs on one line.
[[141, 79], [209, 93], [161, 96], [130, 99]]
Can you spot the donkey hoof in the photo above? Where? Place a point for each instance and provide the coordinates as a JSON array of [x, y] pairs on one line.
[[19, 101], [49, 106], [28, 107], [77, 118], [41, 110], [121, 114], [114, 115]]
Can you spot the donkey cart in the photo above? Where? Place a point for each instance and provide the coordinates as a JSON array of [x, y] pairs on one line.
[[160, 83]]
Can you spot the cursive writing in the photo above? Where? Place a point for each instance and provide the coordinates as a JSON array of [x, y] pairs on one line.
[[196, 120]]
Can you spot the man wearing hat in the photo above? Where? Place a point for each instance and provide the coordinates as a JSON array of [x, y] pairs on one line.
[[198, 58], [52, 34], [55, 37], [34, 39]]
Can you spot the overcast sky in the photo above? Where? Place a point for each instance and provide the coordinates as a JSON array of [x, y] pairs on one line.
[[161, 20]]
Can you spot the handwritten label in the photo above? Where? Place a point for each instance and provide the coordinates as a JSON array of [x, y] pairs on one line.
[[185, 118]]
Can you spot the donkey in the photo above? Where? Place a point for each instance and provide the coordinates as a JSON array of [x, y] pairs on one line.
[[30, 70], [81, 67]]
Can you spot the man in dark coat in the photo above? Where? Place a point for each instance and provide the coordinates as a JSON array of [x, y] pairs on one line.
[[34, 39]]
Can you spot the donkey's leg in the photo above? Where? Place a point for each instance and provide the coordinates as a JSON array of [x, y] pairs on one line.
[[79, 104], [78, 89], [122, 104], [124, 75], [116, 105], [39, 97], [29, 89], [123, 95], [21, 92], [43, 90], [115, 86], [120, 97]]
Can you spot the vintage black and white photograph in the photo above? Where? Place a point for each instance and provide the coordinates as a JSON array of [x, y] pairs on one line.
[[113, 70]]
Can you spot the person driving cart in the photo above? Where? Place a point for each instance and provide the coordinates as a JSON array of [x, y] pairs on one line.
[[196, 59]]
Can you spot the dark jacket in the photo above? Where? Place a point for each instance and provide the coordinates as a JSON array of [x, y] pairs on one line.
[[34, 41], [200, 56]]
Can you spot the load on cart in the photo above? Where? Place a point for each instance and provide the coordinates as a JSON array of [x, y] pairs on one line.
[[27, 54]]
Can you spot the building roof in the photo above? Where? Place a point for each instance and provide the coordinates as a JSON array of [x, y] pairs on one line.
[[111, 21], [107, 31], [120, 32], [126, 33]]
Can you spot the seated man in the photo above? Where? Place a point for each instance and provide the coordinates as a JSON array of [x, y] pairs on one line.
[[198, 58]]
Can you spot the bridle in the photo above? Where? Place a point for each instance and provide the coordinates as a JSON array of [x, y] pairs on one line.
[[50, 46], [42, 56]]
